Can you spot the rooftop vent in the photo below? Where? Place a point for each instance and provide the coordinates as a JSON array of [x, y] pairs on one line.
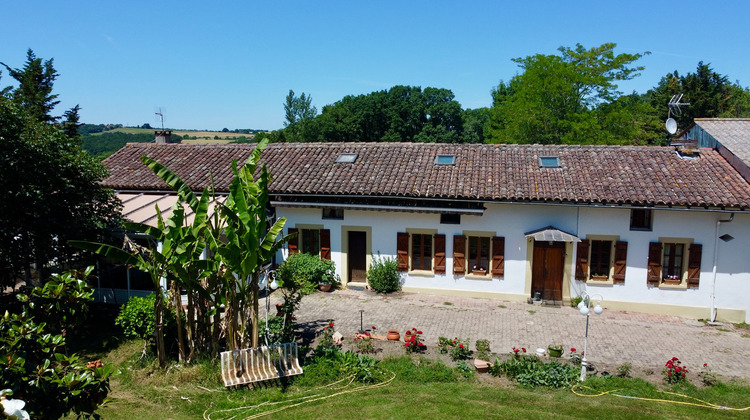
[[347, 158], [445, 160], [549, 162]]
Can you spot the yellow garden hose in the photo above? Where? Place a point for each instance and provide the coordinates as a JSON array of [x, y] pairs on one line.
[[700, 402]]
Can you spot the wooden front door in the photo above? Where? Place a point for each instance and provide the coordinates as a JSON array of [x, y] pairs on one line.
[[357, 256], [547, 270]]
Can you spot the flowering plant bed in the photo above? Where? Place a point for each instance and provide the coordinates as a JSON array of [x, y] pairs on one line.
[[674, 372], [413, 341]]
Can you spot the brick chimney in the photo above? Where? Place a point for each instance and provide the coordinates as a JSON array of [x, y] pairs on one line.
[[163, 136]]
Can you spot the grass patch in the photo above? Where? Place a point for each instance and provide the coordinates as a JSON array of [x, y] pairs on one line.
[[501, 306], [742, 325], [724, 329], [531, 311], [447, 303]]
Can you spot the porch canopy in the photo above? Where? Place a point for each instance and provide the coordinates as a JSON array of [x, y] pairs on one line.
[[552, 234]]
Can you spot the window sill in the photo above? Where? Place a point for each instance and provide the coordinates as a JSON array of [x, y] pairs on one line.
[[425, 273], [601, 281], [676, 286], [471, 276]]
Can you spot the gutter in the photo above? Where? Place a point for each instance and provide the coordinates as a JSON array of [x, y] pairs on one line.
[[716, 263]]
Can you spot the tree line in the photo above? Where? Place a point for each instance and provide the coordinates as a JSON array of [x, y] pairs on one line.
[[568, 98]]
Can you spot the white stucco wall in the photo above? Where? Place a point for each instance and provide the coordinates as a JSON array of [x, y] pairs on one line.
[[513, 220]]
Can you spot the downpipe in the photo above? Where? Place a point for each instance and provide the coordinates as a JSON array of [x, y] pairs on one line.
[[716, 262]]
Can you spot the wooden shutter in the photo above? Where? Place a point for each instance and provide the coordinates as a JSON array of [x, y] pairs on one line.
[[582, 260], [654, 263], [498, 256], [439, 254], [292, 244], [459, 254], [325, 244], [621, 255], [402, 247], [694, 265]]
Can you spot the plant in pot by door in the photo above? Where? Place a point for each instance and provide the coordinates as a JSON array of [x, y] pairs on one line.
[[324, 286], [555, 350]]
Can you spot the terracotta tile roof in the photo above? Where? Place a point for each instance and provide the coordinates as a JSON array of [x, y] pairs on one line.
[[638, 175], [732, 133]]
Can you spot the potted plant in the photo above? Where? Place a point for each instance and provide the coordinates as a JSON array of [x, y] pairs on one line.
[[482, 355], [324, 286], [479, 271], [555, 350], [393, 335], [672, 279], [599, 277]]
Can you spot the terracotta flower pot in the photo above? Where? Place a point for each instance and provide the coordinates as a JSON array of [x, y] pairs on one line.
[[393, 335], [325, 287]]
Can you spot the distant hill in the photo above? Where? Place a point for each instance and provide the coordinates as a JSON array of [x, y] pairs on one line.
[[101, 140]]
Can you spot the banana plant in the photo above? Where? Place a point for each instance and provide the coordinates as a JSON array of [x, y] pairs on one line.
[[250, 244], [156, 259]]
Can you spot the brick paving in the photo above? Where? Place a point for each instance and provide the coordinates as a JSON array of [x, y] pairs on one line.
[[646, 341]]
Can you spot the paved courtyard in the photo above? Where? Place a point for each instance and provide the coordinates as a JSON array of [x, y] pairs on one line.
[[615, 337]]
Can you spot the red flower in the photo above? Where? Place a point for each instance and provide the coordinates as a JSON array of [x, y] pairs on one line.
[[419, 332], [683, 375], [413, 329], [461, 346], [406, 345], [523, 349], [421, 344], [572, 349], [582, 353], [705, 364], [515, 350], [675, 359], [669, 373], [330, 324]]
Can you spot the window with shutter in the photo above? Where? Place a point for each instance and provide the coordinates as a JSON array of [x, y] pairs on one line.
[[582, 260], [421, 251], [402, 249], [459, 254], [694, 265], [498, 256], [325, 244], [654, 263], [440, 254], [621, 255], [292, 244]]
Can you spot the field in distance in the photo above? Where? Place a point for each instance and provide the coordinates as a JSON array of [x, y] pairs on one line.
[[190, 136]]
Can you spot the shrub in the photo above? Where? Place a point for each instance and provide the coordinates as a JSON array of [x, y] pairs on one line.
[[707, 376], [674, 372], [623, 371], [575, 301], [464, 369], [444, 345], [138, 320], [549, 375], [413, 341], [483, 349], [383, 275], [460, 350], [304, 272], [34, 366], [363, 343]]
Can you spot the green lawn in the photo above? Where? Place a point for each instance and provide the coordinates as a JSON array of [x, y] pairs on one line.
[[419, 387]]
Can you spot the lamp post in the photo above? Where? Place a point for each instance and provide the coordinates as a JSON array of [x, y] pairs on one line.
[[584, 307], [268, 286]]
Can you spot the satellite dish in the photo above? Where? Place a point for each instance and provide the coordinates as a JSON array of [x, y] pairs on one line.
[[671, 126]]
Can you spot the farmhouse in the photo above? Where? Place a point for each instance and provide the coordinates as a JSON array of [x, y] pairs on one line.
[[650, 229]]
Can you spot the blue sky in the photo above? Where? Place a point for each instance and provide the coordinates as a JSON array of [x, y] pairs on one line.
[[230, 64]]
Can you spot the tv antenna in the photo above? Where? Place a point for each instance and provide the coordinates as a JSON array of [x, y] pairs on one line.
[[674, 108], [160, 113]]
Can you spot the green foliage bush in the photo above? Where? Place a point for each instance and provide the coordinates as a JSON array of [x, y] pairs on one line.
[[32, 360], [304, 272], [530, 372], [383, 275], [138, 320]]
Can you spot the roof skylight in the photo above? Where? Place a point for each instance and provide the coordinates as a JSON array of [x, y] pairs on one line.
[[549, 161], [347, 158], [445, 160]]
